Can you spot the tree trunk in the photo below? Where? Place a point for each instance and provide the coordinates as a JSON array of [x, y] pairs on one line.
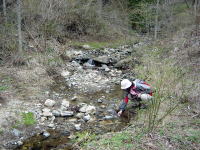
[[100, 5], [197, 15], [156, 21], [4, 11], [187, 4], [19, 25]]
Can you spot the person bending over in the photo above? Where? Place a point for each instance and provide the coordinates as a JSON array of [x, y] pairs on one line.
[[136, 90]]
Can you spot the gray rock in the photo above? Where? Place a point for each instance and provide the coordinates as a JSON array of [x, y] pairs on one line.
[[67, 113], [87, 109], [56, 113], [74, 98], [105, 67], [19, 143], [124, 62], [16, 132], [63, 108], [86, 46], [46, 134], [77, 127], [51, 125], [42, 119], [111, 111], [46, 112], [65, 133], [52, 119], [102, 59], [100, 101], [108, 117], [49, 103], [65, 103], [65, 73], [88, 65], [79, 115], [87, 117]]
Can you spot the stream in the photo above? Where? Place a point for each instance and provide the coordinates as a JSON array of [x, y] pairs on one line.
[[59, 138], [85, 85]]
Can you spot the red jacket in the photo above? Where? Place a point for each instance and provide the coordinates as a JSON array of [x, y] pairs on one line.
[[138, 87]]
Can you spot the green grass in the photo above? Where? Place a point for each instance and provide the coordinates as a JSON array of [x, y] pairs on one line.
[[180, 8], [188, 136], [5, 82], [101, 45], [1, 131], [3, 88], [28, 118], [16, 124], [121, 140]]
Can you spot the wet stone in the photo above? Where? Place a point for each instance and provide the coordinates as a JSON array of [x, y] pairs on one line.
[[111, 111], [65, 133], [108, 117], [56, 113], [77, 127], [46, 134], [67, 113], [87, 117], [100, 101]]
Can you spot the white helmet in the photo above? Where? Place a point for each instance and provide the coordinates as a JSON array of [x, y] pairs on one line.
[[125, 83]]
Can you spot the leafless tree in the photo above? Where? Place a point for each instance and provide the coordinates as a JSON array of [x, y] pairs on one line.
[[4, 11], [197, 15], [19, 25], [156, 21]]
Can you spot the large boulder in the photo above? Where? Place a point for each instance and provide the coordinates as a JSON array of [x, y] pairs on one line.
[[102, 59]]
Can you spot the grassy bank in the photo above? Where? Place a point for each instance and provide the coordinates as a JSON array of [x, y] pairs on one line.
[[169, 122]]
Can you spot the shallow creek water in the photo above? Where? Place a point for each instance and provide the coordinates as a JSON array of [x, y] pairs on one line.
[[59, 139]]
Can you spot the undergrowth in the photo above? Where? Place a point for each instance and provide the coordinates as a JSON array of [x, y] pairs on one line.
[[161, 122]]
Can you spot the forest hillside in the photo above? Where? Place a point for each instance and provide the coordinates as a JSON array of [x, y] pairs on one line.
[[62, 63]]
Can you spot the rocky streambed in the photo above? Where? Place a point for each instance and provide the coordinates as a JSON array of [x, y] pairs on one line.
[[84, 97]]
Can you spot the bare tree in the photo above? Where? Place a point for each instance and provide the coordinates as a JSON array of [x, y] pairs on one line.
[[197, 15], [4, 11], [156, 21], [19, 25]]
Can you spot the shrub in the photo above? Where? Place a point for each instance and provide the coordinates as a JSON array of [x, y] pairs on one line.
[[167, 79]]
